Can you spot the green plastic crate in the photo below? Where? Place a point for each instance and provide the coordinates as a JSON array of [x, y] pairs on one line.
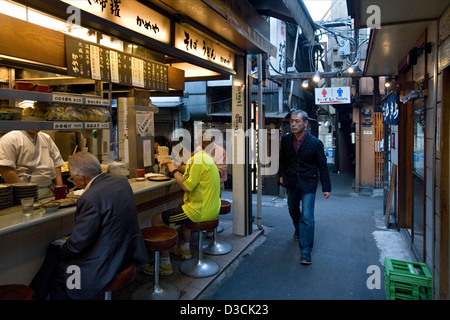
[[407, 280]]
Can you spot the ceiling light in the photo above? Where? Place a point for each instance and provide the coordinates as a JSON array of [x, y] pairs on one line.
[[305, 84], [316, 77]]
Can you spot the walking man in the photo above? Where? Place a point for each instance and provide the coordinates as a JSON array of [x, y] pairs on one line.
[[302, 162]]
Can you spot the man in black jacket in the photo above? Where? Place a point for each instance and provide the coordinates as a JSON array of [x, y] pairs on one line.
[[302, 162]]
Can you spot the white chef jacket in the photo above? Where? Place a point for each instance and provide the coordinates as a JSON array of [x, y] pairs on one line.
[[19, 151]]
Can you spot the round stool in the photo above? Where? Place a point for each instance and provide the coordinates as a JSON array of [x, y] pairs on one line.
[[15, 292], [158, 239], [215, 247], [121, 279], [200, 268], [225, 207]]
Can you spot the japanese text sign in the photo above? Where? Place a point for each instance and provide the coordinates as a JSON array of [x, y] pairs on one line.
[[389, 107]]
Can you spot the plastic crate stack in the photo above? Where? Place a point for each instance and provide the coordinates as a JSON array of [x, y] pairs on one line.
[[407, 280]]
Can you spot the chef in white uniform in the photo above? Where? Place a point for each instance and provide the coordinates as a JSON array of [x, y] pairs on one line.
[[31, 156]]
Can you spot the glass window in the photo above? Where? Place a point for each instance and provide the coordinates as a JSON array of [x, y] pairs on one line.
[[419, 137]]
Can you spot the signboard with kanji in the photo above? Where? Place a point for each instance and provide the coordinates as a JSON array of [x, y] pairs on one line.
[[389, 107], [93, 61], [333, 95]]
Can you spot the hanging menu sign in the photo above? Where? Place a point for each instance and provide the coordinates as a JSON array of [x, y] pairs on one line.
[[93, 61]]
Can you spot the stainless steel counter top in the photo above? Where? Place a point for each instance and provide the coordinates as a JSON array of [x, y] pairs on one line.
[[12, 219]]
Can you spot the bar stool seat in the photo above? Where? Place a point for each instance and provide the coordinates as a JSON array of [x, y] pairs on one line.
[[158, 239], [225, 207], [16, 292], [215, 247], [200, 267], [121, 279]]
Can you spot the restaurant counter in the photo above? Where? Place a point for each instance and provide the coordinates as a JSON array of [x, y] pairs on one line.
[[24, 241]]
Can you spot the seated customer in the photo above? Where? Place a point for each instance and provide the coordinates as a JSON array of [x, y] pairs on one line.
[[105, 239], [201, 184]]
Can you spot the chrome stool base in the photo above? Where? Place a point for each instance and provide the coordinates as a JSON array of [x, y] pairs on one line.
[[199, 268], [162, 291], [217, 248]]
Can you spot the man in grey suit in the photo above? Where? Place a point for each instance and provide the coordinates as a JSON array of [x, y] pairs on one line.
[[105, 239]]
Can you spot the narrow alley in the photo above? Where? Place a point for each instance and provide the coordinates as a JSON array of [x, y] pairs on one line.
[[350, 238]]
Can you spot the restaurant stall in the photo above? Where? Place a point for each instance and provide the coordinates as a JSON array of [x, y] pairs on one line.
[[85, 73]]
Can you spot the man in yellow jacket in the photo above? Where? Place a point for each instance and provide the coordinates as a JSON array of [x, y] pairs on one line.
[[201, 184]]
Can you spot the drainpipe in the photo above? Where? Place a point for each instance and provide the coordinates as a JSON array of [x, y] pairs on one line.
[[260, 139]]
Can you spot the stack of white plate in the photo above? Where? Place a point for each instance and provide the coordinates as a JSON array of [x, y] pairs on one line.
[[24, 190], [6, 196]]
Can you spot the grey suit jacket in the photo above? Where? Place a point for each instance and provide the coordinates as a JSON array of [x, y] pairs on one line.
[[106, 236]]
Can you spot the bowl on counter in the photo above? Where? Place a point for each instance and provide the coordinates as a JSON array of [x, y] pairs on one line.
[[51, 207]]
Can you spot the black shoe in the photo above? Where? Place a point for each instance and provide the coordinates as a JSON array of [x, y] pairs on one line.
[[305, 258], [295, 236]]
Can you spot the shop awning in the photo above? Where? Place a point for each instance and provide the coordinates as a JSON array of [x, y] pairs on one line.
[[237, 22], [401, 23]]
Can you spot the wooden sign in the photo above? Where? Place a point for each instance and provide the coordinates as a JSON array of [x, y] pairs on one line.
[[93, 61]]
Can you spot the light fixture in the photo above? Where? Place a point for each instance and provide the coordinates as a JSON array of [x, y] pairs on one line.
[[316, 77], [389, 81], [305, 84], [350, 69]]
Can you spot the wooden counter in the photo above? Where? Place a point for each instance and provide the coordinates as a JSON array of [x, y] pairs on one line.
[[24, 241]]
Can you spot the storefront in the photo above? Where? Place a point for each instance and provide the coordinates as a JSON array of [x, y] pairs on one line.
[[91, 56], [411, 49]]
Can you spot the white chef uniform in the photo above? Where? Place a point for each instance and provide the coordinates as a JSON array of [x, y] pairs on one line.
[[32, 161]]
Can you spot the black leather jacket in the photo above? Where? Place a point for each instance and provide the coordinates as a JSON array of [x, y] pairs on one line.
[[304, 167]]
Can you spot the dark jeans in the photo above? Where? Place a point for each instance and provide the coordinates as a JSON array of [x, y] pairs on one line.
[[303, 219], [49, 282]]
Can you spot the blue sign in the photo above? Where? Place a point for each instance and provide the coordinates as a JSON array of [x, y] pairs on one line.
[[390, 109]]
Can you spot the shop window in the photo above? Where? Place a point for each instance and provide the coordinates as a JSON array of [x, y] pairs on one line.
[[419, 137]]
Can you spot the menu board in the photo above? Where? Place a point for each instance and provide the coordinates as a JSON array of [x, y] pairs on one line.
[[93, 61]]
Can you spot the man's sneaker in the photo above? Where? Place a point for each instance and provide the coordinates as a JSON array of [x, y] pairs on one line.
[[305, 258], [163, 271], [185, 254], [295, 236]]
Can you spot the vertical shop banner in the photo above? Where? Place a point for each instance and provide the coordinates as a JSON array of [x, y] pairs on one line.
[[278, 38], [390, 110]]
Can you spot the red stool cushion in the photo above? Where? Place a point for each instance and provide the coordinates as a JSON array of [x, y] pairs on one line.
[[225, 207], [206, 225], [122, 279], [16, 292], [159, 238]]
